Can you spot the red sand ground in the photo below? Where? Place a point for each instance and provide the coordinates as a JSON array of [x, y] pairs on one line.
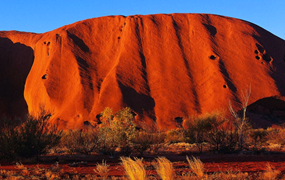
[[213, 163], [162, 66]]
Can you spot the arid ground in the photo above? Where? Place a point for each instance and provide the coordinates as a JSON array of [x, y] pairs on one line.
[[232, 163]]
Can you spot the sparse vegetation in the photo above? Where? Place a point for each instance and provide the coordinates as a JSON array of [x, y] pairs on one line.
[[212, 128], [151, 141], [275, 136], [258, 136], [36, 135], [142, 142], [29, 139], [8, 138], [82, 142], [118, 135], [174, 136], [222, 137], [157, 140], [197, 128]]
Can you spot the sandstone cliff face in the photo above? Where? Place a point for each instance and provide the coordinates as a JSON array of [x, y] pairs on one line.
[[162, 66]]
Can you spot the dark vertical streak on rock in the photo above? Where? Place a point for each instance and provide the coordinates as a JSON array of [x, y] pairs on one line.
[[195, 94]]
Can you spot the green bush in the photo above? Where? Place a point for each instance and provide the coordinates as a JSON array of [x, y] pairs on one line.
[[117, 131]]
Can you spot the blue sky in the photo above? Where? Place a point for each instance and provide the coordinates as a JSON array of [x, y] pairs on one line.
[[42, 16]]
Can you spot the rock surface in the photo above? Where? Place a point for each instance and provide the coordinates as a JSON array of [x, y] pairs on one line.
[[162, 66]]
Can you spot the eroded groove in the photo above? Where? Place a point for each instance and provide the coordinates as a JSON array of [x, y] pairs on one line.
[[186, 64], [141, 52], [228, 80]]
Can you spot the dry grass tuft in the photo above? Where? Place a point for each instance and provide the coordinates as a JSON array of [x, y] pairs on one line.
[[102, 170], [20, 166], [196, 166], [164, 168], [270, 173], [230, 174], [134, 168]]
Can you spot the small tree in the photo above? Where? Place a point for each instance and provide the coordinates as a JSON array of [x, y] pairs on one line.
[[241, 121], [118, 130], [124, 128]]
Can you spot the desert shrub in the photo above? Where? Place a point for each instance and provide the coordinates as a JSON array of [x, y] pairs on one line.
[[223, 141], [117, 131], [197, 127], [79, 141], [212, 128], [147, 140], [157, 140], [31, 138], [174, 136], [257, 136], [106, 141], [275, 136], [142, 142], [8, 138], [36, 136], [222, 137]]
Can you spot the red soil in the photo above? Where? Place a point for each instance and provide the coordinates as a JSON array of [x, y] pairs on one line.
[[162, 66], [213, 163]]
